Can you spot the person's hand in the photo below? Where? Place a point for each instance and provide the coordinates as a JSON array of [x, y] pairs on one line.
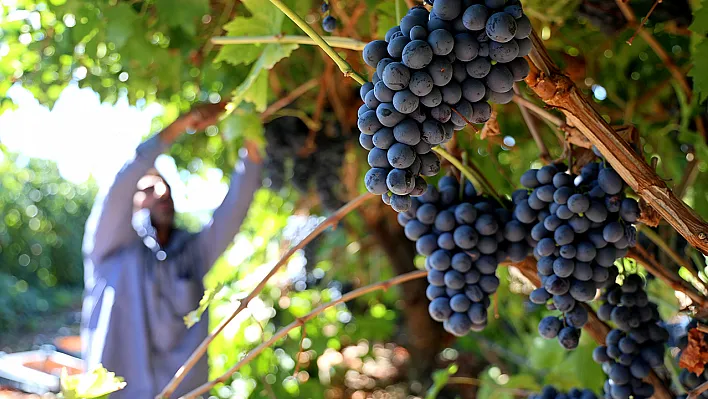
[[254, 153], [202, 116], [198, 118]]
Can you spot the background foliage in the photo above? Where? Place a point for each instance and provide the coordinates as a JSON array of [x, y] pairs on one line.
[[158, 51]]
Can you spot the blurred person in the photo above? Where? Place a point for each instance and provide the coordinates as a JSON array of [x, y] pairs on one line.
[[143, 275]]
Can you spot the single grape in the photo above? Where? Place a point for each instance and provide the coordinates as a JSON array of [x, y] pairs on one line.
[[377, 159], [418, 33], [569, 337], [475, 17], [441, 71], [401, 203], [383, 138], [499, 79], [405, 101], [504, 52], [442, 113], [366, 141], [329, 23], [430, 164], [458, 324], [466, 47], [447, 9], [610, 181], [400, 181], [433, 99], [417, 54], [399, 155], [523, 28], [451, 93], [501, 27], [421, 84], [479, 67], [481, 112], [525, 46], [433, 132], [374, 52], [441, 41], [387, 115], [383, 93], [629, 210], [396, 76], [549, 327], [465, 237], [439, 309]]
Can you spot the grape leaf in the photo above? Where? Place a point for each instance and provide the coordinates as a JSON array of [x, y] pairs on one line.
[[184, 15], [97, 384], [700, 19], [699, 58], [254, 88], [266, 20], [120, 22]]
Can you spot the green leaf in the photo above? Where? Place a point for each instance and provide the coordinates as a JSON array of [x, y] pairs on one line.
[[700, 19], [120, 22], [98, 384], [440, 379], [699, 58], [194, 316], [183, 15], [254, 88], [265, 20], [242, 123]]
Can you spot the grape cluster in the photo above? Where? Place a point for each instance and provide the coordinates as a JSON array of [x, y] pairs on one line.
[[329, 23], [637, 344], [688, 379], [581, 224], [549, 392], [285, 137], [463, 242], [435, 73]]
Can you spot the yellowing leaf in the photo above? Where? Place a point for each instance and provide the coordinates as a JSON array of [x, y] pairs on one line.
[[97, 384]]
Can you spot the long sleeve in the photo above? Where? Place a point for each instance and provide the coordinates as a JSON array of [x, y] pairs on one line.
[[109, 227], [216, 237]]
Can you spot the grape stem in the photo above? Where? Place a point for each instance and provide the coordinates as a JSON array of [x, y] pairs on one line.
[[300, 322], [471, 172], [659, 242], [332, 41], [344, 66], [202, 348], [533, 129]]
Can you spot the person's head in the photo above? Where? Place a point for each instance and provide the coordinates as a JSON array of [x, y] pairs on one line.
[[153, 193]]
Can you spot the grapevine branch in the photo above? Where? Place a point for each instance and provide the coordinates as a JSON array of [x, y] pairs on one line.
[[344, 66], [695, 392], [202, 348], [300, 322], [332, 41], [557, 90]]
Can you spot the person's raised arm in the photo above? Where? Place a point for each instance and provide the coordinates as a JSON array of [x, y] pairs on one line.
[[216, 237], [109, 226]]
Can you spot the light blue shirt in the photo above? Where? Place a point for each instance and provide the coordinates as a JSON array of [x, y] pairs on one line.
[[137, 292]]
